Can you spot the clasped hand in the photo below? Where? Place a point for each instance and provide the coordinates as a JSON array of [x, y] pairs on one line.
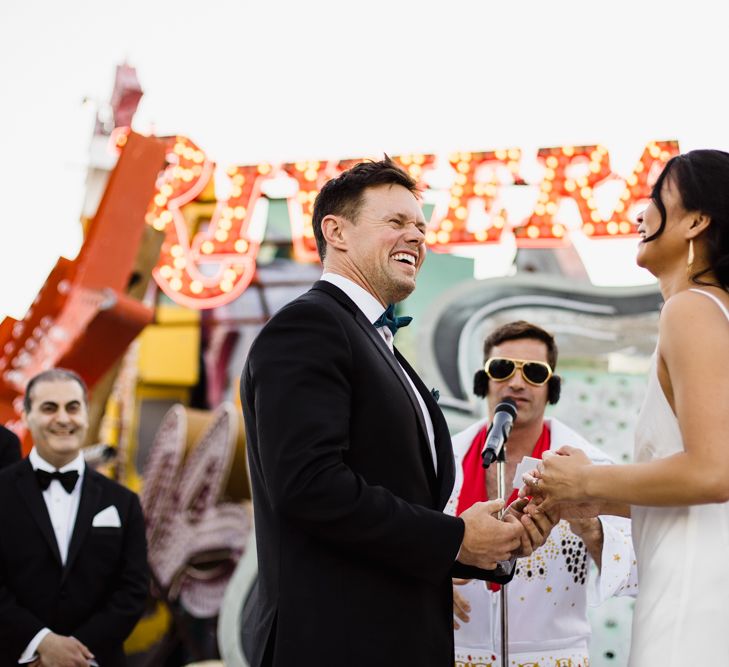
[[524, 529], [558, 485], [488, 540], [60, 651]]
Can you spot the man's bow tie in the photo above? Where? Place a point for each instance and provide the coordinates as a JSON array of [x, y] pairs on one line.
[[67, 479], [388, 319]]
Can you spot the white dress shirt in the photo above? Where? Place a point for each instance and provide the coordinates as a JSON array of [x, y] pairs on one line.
[[62, 509], [372, 310]]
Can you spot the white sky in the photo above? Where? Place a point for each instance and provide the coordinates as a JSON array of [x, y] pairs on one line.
[[276, 79]]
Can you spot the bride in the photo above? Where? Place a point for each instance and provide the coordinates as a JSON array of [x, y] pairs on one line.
[[677, 491]]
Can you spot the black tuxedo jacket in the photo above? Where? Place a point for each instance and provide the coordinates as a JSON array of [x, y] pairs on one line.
[[101, 592], [355, 555], [9, 447]]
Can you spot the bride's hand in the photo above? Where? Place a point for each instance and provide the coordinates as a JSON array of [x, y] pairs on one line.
[[559, 482]]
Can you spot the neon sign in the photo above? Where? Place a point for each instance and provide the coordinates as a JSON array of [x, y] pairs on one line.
[[214, 266]]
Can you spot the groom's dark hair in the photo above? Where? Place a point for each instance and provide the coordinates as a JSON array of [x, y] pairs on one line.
[[343, 195]]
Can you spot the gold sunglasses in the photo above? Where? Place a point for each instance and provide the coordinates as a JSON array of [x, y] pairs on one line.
[[534, 372]]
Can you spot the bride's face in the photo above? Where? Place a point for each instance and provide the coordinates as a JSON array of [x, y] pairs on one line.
[[663, 252]]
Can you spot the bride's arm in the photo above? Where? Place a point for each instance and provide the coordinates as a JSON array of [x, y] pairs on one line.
[[693, 365]]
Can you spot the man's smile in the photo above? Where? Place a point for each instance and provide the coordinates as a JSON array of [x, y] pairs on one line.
[[405, 258]]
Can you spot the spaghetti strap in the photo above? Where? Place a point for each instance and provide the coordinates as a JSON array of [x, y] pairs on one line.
[[714, 298]]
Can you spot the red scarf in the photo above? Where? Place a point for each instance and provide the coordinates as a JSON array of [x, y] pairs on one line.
[[473, 489]]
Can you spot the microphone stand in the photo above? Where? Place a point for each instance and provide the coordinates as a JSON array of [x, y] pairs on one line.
[[501, 492]]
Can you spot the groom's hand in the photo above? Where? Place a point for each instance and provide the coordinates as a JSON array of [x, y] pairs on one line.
[[486, 540], [537, 527]]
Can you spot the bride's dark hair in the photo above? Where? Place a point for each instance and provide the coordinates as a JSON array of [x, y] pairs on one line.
[[702, 179]]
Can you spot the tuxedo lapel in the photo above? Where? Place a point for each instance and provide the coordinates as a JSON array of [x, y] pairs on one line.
[[398, 365], [88, 504], [379, 343], [443, 447], [32, 495], [392, 361]]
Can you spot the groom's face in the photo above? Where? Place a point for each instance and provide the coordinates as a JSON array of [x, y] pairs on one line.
[[386, 244], [58, 420]]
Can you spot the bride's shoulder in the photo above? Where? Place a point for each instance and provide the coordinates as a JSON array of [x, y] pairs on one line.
[[691, 314], [695, 301]]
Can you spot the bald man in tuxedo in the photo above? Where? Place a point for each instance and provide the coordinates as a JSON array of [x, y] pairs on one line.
[[73, 558]]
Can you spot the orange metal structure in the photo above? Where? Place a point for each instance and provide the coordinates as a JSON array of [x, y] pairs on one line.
[[83, 318]]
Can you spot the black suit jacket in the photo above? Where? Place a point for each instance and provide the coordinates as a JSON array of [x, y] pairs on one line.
[[100, 593], [9, 447], [355, 555]]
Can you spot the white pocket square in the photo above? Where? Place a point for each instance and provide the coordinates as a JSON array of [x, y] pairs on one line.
[[107, 518]]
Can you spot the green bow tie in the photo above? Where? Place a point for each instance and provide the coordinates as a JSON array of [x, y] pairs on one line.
[[388, 319]]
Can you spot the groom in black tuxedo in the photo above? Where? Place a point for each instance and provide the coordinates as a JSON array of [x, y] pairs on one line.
[[350, 457], [73, 560], [9, 447]]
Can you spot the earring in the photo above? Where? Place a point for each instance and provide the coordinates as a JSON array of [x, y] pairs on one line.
[[690, 262]]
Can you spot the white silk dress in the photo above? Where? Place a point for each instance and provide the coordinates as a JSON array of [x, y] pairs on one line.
[[682, 611]]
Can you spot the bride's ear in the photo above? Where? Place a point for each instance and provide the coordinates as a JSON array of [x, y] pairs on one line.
[[699, 224]]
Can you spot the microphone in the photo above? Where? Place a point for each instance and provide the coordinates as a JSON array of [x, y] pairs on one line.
[[499, 431]]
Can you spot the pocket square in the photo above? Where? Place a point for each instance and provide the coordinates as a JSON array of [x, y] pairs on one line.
[[107, 518]]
